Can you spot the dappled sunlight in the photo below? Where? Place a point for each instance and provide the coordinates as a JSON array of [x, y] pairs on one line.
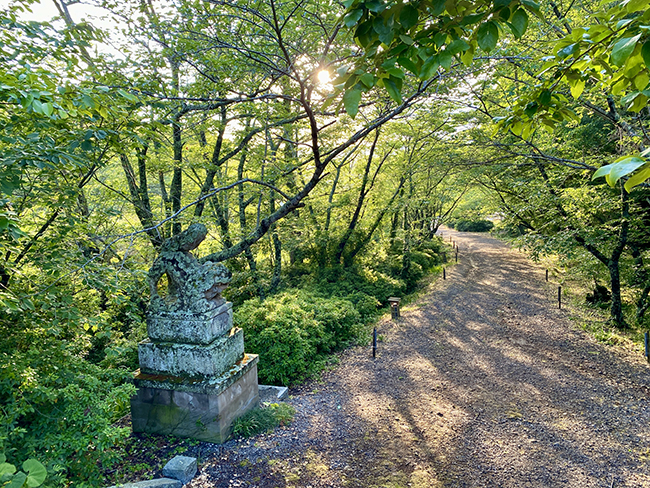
[[484, 384]]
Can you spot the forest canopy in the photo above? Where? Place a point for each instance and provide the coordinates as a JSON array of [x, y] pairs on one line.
[[323, 144]]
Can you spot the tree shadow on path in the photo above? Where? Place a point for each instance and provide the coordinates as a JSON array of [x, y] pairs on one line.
[[484, 383]]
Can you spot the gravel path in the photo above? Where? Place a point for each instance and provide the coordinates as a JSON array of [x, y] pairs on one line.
[[483, 383]]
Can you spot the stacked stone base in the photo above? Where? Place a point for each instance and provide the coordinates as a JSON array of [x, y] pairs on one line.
[[202, 409]]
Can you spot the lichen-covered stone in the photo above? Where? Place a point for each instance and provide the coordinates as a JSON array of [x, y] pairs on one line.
[[189, 328], [193, 287], [159, 407], [194, 377], [192, 359]]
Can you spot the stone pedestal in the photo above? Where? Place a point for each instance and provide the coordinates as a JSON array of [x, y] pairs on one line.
[[194, 378]]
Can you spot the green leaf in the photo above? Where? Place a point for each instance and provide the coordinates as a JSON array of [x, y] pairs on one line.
[[18, 481], [352, 18], [439, 39], [602, 171], [408, 17], [37, 106], [457, 46], [468, 56], [645, 52], [622, 49], [487, 36], [445, 59], [577, 88], [623, 167], [396, 72], [6, 468], [636, 5], [519, 23], [637, 178], [437, 7], [127, 95], [545, 97], [380, 27], [629, 98], [408, 64], [639, 104], [406, 39], [429, 68], [568, 50], [368, 80], [375, 6], [531, 5], [36, 473], [531, 109], [391, 87], [472, 19], [351, 99]]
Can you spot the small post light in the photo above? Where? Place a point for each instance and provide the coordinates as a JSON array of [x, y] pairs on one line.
[[394, 307]]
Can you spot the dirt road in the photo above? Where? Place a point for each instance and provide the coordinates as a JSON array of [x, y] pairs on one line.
[[483, 383]]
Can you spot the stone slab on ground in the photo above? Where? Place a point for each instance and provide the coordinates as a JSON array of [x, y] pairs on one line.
[[157, 483], [270, 393], [181, 468]]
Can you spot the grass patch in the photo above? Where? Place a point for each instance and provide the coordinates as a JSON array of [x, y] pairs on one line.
[[262, 420]]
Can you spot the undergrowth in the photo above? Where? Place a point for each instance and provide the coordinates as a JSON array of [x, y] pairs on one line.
[[265, 419]]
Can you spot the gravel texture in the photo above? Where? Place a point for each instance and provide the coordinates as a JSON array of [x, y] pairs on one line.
[[482, 383]]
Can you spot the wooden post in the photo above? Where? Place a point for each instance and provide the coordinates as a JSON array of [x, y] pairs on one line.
[[374, 342], [647, 346], [559, 297], [547, 275], [456, 255], [444, 274]]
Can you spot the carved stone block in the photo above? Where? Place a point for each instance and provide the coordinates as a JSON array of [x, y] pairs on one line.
[[201, 410], [190, 328], [192, 359]]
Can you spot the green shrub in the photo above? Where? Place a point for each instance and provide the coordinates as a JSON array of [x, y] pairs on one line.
[[294, 331], [366, 305], [260, 420], [474, 225], [338, 281], [55, 405], [61, 409]]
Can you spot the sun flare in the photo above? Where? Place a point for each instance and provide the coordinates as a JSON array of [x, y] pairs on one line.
[[324, 77]]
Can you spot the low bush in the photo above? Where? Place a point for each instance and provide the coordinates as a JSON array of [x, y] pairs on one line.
[[61, 409], [474, 225], [261, 420], [294, 331]]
